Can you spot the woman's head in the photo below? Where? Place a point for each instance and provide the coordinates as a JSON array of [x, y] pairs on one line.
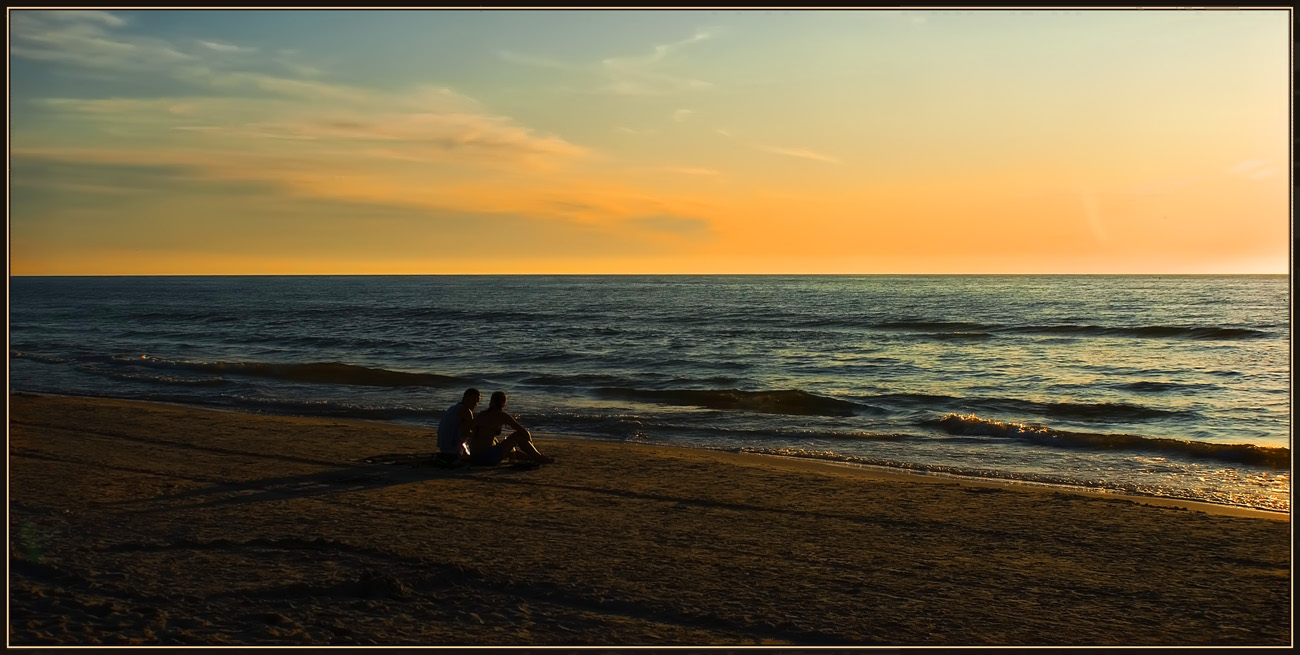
[[498, 400]]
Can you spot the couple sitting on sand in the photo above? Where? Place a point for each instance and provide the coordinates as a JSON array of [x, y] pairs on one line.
[[460, 428]]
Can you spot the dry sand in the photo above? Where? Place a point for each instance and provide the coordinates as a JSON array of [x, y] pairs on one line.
[[136, 523]]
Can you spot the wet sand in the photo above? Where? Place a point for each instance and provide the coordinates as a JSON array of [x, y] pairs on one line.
[[138, 523]]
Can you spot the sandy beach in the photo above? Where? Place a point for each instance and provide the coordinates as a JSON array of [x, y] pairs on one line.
[[137, 523]]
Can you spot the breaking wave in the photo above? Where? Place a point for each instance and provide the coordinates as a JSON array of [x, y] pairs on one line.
[[152, 378], [786, 401], [957, 424], [1149, 331], [1161, 387], [320, 372], [37, 357], [1145, 331]]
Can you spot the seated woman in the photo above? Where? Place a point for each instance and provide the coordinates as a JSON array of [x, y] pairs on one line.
[[484, 449]]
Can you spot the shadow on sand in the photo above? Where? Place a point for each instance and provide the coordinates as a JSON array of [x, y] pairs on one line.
[[373, 472]]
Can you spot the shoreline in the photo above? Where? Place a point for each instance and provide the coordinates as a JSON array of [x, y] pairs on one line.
[[136, 523], [888, 472], [1047, 487], [793, 462]]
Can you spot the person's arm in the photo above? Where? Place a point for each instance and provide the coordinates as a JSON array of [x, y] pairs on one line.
[[466, 424], [519, 429]]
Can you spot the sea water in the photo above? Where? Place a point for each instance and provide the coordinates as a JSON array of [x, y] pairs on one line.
[[1175, 386]]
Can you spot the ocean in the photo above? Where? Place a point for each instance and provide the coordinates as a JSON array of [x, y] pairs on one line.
[[1172, 386]]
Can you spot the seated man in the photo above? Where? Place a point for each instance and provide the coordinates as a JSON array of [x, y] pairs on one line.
[[484, 449], [454, 429]]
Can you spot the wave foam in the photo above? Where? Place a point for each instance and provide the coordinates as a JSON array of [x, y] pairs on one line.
[[37, 357], [786, 401], [1142, 331], [1273, 457], [319, 372]]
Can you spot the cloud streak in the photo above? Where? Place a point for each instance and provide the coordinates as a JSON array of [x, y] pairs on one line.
[[224, 47], [532, 60], [800, 153], [1252, 169], [426, 148], [427, 124], [411, 147], [84, 15], [89, 39], [686, 170], [100, 43], [687, 226], [239, 106], [632, 75]]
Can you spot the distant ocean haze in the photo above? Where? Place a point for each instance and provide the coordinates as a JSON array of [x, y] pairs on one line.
[[1173, 386]]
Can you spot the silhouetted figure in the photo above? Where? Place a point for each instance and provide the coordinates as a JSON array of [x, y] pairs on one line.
[[484, 449], [454, 429]]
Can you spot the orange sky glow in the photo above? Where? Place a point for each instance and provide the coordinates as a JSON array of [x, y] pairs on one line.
[[450, 142]]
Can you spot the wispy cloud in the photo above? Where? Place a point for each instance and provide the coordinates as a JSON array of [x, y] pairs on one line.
[[90, 39], [83, 15], [785, 152], [275, 85], [101, 44], [295, 169], [1252, 169], [240, 121], [662, 52], [635, 75], [532, 60], [242, 116], [410, 161], [686, 170], [644, 75], [915, 17], [426, 124], [801, 153], [682, 115], [225, 47], [678, 225]]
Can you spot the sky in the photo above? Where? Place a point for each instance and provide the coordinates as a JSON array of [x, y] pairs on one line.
[[189, 142]]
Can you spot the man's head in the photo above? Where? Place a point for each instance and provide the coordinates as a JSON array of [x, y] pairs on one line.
[[471, 397], [498, 400]]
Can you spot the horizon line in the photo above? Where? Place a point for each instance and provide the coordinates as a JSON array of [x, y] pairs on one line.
[[785, 274]]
